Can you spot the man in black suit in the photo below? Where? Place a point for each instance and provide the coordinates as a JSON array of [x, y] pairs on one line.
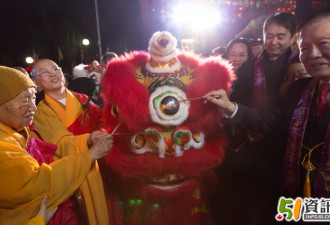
[[305, 124], [306, 114], [254, 168]]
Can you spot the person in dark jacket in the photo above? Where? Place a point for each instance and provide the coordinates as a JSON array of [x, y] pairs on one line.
[[306, 114], [254, 164]]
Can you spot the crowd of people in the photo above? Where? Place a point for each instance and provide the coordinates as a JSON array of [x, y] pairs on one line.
[[276, 117]]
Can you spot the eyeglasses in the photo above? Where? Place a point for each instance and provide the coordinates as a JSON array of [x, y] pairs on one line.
[[45, 73]]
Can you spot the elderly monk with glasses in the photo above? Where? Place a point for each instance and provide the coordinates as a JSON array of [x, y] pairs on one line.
[[27, 169]]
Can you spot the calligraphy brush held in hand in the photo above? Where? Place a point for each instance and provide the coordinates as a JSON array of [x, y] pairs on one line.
[[197, 98]]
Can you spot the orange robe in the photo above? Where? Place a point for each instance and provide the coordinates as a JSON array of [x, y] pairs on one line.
[[24, 183], [69, 125], [38, 220]]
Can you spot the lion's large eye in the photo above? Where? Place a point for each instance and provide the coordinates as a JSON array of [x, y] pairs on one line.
[[166, 108], [169, 105]]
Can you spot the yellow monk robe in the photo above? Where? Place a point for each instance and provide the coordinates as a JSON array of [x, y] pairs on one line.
[[52, 119], [24, 183], [38, 220]]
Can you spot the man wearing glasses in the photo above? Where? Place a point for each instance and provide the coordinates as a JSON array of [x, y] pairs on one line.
[[65, 117]]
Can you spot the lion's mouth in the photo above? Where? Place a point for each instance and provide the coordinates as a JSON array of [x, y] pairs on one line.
[[168, 182]]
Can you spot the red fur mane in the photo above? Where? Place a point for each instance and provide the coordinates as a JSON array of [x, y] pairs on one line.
[[210, 74], [132, 176], [121, 89]]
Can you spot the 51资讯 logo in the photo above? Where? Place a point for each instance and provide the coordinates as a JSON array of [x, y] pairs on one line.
[[307, 209]]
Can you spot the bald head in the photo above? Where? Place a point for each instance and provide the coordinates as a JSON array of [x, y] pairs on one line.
[[48, 76], [39, 64]]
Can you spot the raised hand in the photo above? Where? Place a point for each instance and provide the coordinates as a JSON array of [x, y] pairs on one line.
[[102, 146], [94, 136], [220, 98]]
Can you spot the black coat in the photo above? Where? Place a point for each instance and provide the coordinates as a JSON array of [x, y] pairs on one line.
[[314, 131], [252, 175]]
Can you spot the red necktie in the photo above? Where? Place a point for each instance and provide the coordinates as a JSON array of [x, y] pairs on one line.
[[321, 101]]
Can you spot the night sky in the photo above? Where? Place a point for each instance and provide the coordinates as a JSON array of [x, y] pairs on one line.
[[44, 25]]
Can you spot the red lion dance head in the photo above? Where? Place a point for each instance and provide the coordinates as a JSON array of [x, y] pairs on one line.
[[160, 170]]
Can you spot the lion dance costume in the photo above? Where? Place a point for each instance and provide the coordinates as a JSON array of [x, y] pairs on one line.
[[160, 170]]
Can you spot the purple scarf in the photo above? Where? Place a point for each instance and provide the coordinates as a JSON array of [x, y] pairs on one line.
[[294, 145], [260, 81]]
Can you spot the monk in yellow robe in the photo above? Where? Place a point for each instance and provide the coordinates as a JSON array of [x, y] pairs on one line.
[[67, 118], [24, 182]]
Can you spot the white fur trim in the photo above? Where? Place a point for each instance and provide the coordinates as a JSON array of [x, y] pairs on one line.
[[158, 52], [139, 151], [161, 148], [196, 145], [136, 148], [79, 71], [157, 116], [163, 58], [176, 66], [178, 151]]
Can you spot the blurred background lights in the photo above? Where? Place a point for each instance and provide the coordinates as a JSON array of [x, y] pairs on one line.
[[131, 202], [29, 60], [195, 16], [85, 42]]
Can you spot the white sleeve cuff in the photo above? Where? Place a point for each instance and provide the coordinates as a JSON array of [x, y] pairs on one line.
[[234, 113]]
